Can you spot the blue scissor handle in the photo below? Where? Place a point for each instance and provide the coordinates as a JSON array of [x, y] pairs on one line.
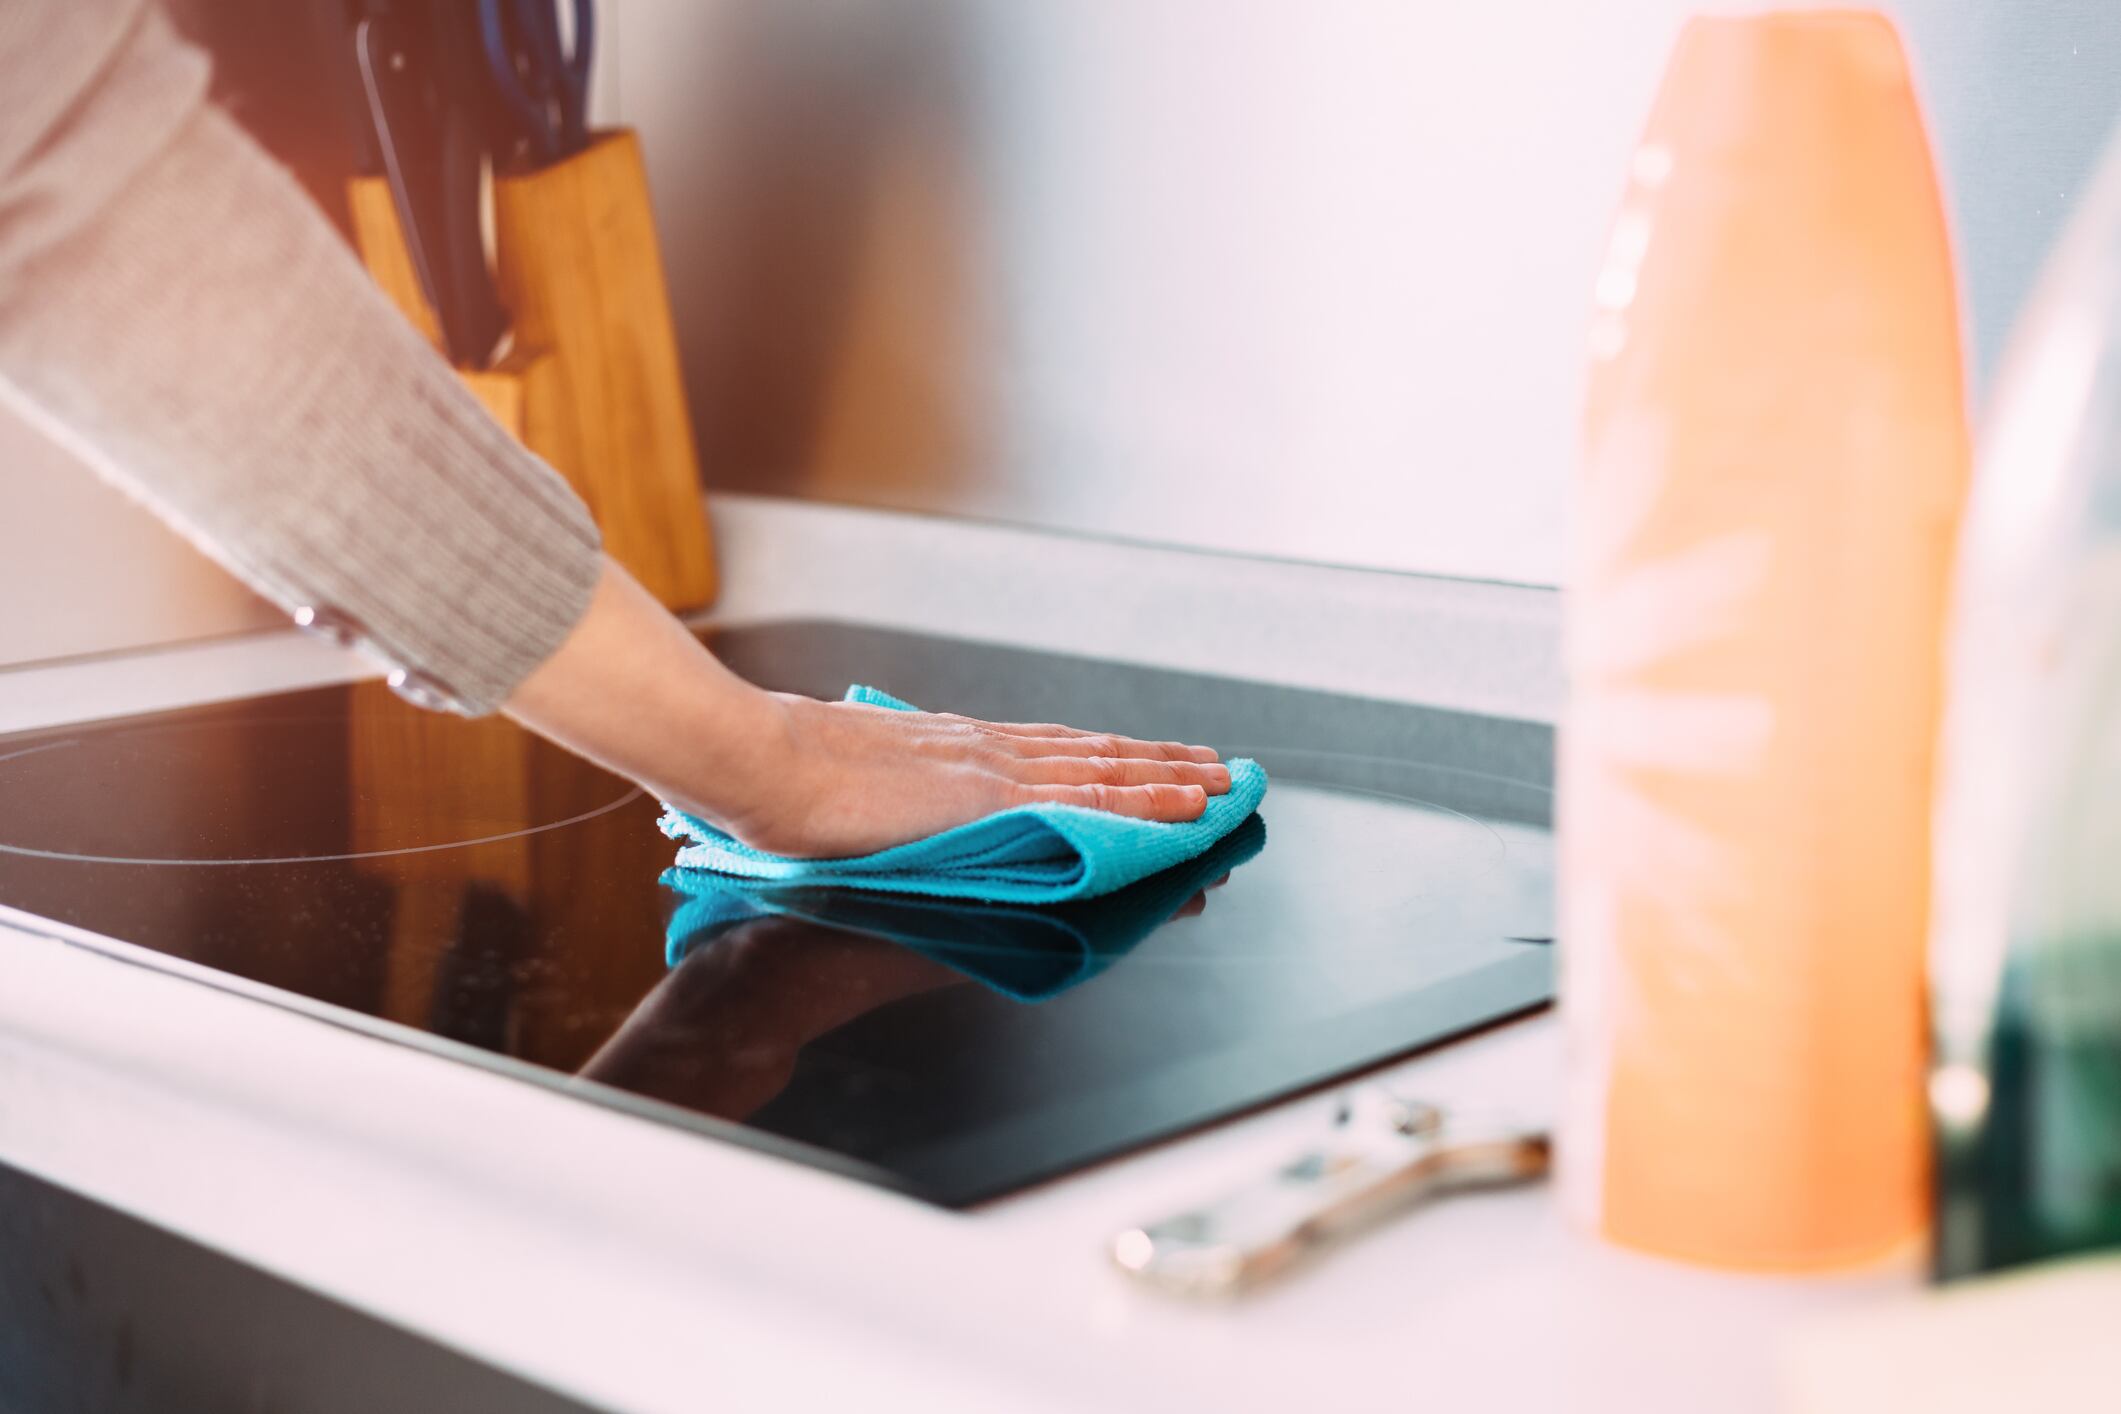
[[549, 90], [567, 73], [576, 114]]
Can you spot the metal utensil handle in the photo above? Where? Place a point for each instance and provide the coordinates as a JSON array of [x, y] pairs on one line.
[[1353, 1180]]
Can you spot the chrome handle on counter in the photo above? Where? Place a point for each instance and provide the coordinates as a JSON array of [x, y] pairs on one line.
[[1384, 1154]]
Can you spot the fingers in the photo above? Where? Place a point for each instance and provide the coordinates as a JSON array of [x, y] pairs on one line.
[[1121, 771], [1036, 729], [1152, 802], [1101, 744], [1051, 738]]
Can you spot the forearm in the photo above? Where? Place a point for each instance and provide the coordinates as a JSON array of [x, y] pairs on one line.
[[633, 690], [173, 308]]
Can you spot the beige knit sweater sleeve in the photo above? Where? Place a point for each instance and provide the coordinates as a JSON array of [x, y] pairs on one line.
[[172, 306]]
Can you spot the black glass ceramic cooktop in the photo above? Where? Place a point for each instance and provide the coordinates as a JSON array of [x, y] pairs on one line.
[[427, 877]]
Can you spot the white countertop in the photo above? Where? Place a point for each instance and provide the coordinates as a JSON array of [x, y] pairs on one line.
[[637, 1266]]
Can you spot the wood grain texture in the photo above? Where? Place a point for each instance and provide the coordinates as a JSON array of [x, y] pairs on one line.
[[381, 242], [508, 390], [592, 382], [580, 269], [501, 389]]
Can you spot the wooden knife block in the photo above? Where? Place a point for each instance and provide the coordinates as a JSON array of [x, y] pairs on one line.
[[591, 382]]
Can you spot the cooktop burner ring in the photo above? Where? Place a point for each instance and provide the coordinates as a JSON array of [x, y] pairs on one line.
[[625, 799]]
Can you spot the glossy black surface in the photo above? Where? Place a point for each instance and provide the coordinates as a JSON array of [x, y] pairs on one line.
[[463, 881]]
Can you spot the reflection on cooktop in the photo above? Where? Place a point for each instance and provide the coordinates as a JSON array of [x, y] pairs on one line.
[[252, 818], [431, 877]]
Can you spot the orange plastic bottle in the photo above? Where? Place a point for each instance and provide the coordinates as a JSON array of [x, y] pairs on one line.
[[1775, 460]]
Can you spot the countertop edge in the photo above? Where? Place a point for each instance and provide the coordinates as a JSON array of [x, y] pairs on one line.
[[1469, 645]]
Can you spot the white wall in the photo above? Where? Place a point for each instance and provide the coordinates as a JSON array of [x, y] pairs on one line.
[[1305, 280], [1291, 277], [84, 570]]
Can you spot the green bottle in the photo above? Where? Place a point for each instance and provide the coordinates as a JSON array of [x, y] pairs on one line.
[[2025, 1087]]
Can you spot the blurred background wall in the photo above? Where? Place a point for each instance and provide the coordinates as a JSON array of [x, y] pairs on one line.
[[1300, 278], [1296, 278]]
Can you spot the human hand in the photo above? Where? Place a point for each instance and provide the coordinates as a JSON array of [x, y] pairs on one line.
[[1195, 906], [850, 779], [634, 691], [721, 1032]]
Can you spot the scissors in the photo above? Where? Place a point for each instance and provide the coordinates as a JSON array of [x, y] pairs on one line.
[[542, 78]]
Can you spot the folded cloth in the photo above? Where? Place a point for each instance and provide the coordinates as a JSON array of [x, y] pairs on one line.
[[1029, 854], [1026, 953]]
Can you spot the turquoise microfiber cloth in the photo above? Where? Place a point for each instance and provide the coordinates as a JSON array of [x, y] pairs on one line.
[[1028, 953], [1029, 854]]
